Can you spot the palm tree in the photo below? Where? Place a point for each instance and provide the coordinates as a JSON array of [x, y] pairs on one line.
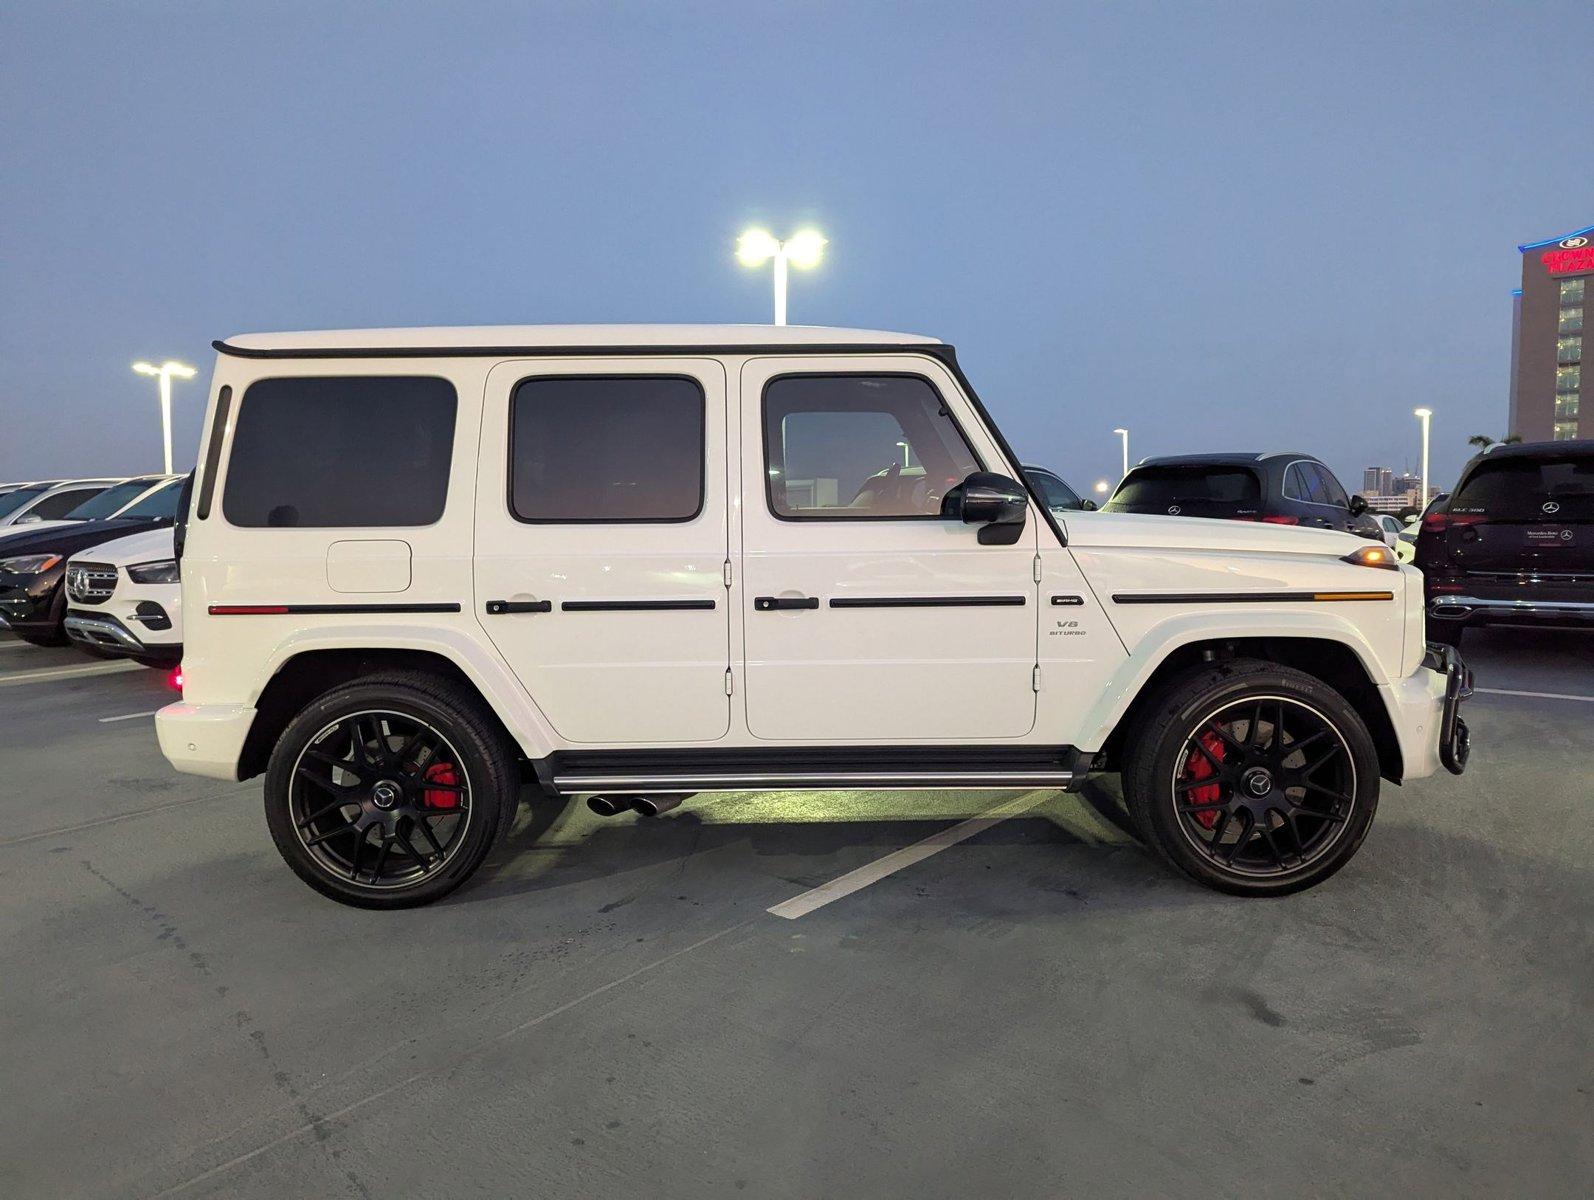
[[1484, 441]]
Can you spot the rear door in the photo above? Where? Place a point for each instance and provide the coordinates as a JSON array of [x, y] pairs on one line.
[[601, 544], [1528, 514]]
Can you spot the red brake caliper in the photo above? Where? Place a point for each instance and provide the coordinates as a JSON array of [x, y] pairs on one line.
[[443, 772], [1198, 766]]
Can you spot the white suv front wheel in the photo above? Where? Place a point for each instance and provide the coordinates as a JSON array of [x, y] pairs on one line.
[[1251, 777], [389, 792]]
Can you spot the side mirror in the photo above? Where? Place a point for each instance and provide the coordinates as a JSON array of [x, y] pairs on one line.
[[1089, 505], [986, 498], [1358, 506]]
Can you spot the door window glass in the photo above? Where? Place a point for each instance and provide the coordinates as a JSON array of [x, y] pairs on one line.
[[69, 504], [607, 449], [1328, 487], [97, 504], [854, 446]]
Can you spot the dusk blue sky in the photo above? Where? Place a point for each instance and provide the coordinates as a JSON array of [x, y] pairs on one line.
[[1270, 226]]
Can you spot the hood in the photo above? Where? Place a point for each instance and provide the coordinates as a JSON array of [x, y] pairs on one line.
[[11, 531], [74, 536], [149, 546], [1148, 532]]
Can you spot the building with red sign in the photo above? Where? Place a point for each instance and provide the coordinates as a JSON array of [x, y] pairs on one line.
[[1547, 337]]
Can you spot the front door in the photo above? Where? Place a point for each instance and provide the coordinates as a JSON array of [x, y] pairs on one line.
[[601, 544], [867, 616]]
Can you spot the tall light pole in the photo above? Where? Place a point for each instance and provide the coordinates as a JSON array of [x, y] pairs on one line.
[[802, 250], [164, 373], [1124, 433], [1424, 415]]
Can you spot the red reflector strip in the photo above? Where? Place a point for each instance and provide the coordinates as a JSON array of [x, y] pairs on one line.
[[247, 610], [1281, 520]]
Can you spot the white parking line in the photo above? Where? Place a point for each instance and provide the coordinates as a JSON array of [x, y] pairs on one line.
[[844, 885], [129, 716], [8, 644], [70, 673], [1534, 695]]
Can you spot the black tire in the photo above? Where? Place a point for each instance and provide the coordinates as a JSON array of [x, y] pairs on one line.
[[477, 750], [1204, 721]]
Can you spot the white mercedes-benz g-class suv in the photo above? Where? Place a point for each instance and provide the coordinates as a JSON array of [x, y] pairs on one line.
[[422, 568]]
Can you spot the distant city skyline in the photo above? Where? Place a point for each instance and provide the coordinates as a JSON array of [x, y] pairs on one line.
[[1265, 228]]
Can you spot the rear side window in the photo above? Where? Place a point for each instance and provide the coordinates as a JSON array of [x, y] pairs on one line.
[[71, 504], [341, 451], [619, 448], [1195, 491], [858, 446], [11, 501], [1554, 488]]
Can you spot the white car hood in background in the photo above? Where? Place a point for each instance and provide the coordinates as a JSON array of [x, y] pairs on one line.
[[152, 545], [1136, 531]]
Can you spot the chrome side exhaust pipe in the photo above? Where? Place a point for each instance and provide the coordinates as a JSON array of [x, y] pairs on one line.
[[608, 806], [652, 806]]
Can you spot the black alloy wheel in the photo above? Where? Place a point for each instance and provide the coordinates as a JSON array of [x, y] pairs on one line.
[[1264, 785], [390, 791], [1251, 777], [380, 799]]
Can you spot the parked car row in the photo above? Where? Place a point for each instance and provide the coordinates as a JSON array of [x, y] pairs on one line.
[[101, 573]]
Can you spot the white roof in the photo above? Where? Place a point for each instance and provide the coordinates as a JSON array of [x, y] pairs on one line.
[[493, 336]]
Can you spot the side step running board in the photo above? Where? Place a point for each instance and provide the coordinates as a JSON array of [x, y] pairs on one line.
[[779, 769]]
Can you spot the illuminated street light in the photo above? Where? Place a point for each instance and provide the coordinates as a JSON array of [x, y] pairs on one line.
[[802, 250], [1124, 433], [904, 446], [1424, 415], [1102, 487], [164, 373]]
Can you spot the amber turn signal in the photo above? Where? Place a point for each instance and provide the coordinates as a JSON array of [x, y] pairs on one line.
[[1373, 556]]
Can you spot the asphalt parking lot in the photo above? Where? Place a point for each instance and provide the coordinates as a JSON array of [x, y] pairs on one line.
[[611, 1008]]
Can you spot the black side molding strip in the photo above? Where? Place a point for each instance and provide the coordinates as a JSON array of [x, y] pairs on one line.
[[927, 602], [633, 605], [499, 607], [1244, 597], [271, 610]]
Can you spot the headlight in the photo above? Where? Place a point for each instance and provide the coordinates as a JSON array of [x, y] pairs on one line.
[[1373, 556], [164, 571], [29, 564]]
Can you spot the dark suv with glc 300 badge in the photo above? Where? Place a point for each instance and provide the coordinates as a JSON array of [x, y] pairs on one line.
[[1515, 543]]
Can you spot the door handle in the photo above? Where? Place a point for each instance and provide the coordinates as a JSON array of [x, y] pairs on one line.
[[499, 607], [779, 603]]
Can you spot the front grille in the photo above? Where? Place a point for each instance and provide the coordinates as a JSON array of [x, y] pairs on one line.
[[90, 583]]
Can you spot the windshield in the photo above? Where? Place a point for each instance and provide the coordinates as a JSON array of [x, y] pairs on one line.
[[1195, 491], [11, 501], [108, 501], [1556, 487], [160, 504]]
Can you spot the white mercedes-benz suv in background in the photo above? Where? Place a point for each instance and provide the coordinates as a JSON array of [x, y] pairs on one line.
[[424, 567], [124, 600]]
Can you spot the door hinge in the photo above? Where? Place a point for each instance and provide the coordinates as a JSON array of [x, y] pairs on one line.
[[1037, 568], [1035, 678], [728, 686], [727, 572]]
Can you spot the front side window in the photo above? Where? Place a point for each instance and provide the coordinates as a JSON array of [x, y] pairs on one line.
[[1328, 487], [618, 448], [341, 451], [858, 446], [1053, 490], [13, 500]]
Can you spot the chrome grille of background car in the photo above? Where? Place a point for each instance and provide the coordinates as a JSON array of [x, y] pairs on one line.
[[90, 583]]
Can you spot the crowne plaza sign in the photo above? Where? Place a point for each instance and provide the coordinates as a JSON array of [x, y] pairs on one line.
[[1572, 255]]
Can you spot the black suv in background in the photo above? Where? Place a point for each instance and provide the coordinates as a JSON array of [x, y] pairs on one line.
[[1281, 489], [1515, 543], [32, 600], [1058, 495]]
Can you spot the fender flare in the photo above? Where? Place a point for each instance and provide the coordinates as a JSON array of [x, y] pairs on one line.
[[486, 671], [1183, 629]]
